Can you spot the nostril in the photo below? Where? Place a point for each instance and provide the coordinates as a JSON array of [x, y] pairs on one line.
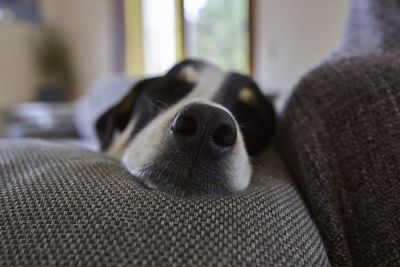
[[225, 135], [184, 125], [205, 129]]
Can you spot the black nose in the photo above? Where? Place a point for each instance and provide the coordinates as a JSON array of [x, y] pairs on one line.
[[203, 126]]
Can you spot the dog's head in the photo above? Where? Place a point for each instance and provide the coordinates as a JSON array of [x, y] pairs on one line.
[[191, 131]]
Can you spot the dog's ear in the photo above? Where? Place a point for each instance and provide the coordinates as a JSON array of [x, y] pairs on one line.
[[118, 116]]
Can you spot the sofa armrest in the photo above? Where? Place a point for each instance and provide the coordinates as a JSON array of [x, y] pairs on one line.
[[340, 136]]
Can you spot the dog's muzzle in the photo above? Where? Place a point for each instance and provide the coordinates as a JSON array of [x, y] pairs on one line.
[[204, 131], [199, 152]]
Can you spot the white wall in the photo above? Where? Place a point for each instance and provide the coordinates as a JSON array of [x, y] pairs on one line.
[[18, 77], [294, 35], [87, 26]]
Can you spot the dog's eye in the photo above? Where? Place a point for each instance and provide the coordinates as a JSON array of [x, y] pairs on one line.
[[171, 94]]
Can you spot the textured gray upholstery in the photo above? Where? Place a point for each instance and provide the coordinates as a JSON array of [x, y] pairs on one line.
[[62, 205], [340, 135]]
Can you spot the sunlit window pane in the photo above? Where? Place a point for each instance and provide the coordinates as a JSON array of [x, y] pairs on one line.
[[159, 35], [217, 30]]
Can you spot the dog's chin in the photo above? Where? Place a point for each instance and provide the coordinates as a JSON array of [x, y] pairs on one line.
[[183, 186], [182, 179]]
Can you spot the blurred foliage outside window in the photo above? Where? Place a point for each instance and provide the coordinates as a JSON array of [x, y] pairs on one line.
[[217, 30]]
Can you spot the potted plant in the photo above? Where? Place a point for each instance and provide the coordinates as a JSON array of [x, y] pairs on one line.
[[54, 67]]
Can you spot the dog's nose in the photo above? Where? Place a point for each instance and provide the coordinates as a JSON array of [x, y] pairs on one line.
[[210, 127]]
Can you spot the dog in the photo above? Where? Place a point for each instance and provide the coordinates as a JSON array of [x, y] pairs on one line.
[[191, 132]]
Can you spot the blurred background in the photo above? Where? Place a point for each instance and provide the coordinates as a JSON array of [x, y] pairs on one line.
[[53, 51]]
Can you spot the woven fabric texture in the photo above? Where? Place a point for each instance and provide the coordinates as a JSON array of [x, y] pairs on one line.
[[340, 135], [65, 206]]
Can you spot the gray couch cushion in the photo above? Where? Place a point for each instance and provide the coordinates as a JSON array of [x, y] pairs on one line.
[[62, 205], [340, 135]]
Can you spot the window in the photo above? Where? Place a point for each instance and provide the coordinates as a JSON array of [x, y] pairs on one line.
[[218, 30], [159, 35], [161, 32]]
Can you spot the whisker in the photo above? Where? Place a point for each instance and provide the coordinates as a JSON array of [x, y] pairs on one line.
[[153, 104], [163, 103], [245, 124]]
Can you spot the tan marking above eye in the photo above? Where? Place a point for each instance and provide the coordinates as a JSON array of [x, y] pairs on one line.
[[247, 96], [188, 74]]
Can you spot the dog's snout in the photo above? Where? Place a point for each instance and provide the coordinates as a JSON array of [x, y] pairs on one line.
[[210, 127]]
